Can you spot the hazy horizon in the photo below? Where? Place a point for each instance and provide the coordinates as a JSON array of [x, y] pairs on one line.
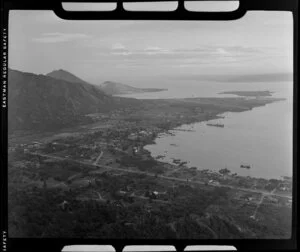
[[124, 51]]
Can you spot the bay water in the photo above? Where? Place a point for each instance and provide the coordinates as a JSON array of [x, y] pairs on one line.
[[261, 137]]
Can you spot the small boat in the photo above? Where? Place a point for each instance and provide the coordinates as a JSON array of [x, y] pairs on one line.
[[245, 166], [215, 125]]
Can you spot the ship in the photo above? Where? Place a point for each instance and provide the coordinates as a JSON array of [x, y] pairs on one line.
[[245, 166], [215, 125]]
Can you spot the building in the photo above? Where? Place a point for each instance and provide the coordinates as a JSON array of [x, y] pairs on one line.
[[118, 203], [133, 137], [213, 182], [151, 194], [289, 203], [273, 200], [36, 144], [246, 198], [12, 149], [65, 206]]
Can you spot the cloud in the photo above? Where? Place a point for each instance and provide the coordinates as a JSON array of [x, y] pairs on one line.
[[125, 53], [118, 46], [204, 51], [185, 57], [119, 49], [154, 50], [58, 37], [223, 52]]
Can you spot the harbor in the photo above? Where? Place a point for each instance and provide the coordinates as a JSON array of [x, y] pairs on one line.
[[247, 133]]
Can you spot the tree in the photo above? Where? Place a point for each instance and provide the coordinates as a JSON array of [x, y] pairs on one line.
[[224, 171]]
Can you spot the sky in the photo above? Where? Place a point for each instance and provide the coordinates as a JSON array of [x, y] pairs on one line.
[[96, 51]]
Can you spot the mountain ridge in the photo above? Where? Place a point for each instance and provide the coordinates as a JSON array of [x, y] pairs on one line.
[[42, 102], [65, 75], [108, 87]]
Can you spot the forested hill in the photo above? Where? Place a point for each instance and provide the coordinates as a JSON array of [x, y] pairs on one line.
[[39, 101]]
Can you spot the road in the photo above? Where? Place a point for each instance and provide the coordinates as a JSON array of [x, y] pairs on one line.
[[161, 176], [98, 158], [253, 216], [99, 195]]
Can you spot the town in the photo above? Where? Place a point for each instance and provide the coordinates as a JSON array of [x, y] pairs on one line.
[[105, 162]]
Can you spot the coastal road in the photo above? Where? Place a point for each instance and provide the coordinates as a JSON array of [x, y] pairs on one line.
[[159, 176]]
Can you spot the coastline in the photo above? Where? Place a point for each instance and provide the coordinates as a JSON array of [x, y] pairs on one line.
[[111, 160], [184, 165], [172, 114]]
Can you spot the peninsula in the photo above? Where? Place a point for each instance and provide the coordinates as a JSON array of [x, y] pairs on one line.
[[249, 93]]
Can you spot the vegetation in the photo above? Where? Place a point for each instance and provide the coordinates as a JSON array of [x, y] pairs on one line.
[[143, 165], [39, 213], [224, 171], [49, 197]]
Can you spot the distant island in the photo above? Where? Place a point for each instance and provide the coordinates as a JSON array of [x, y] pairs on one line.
[[115, 88], [249, 93]]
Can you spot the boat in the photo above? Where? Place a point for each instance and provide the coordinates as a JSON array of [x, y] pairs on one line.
[[215, 125], [245, 166]]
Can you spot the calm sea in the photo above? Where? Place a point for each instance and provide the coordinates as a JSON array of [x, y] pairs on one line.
[[261, 137]]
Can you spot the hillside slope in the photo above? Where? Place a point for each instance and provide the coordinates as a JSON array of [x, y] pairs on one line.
[[39, 101], [66, 76]]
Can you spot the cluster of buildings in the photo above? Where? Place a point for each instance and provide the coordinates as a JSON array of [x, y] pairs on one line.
[[285, 187], [26, 147], [141, 135], [156, 195]]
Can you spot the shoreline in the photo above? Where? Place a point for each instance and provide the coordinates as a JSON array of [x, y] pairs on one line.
[[186, 165], [187, 112]]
